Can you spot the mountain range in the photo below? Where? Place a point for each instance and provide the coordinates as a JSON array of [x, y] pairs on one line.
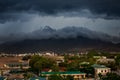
[[65, 39]]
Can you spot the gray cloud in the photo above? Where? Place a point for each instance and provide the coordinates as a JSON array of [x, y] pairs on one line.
[[31, 22], [9, 7]]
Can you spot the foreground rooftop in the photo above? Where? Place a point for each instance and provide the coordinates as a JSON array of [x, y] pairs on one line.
[[67, 72]]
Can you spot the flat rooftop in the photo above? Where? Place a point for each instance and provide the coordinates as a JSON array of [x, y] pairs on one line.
[[67, 72], [99, 66]]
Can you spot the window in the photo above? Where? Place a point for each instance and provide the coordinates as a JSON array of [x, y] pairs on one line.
[[101, 70], [105, 71]]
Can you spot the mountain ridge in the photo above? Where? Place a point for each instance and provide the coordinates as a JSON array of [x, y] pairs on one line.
[[69, 38], [53, 44]]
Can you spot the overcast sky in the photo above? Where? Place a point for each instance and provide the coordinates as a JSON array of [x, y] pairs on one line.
[[24, 16]]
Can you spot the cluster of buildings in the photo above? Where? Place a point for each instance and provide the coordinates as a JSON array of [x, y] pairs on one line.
[[30, 54], [16, 64], [10, 65]]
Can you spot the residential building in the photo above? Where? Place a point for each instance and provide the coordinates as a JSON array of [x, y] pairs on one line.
[[100, 69], [76, 74], [105, 60]]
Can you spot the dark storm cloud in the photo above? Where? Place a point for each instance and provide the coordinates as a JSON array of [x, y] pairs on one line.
[[109, 7], [20, 17]]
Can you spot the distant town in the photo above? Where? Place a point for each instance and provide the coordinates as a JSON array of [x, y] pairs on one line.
[[86, 65]]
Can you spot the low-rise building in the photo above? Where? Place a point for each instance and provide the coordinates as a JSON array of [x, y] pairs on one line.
[[76, 74], [18, 65], [105, 60], [100, 69]]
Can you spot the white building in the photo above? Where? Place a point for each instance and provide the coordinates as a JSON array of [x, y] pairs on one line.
[[100, 69]]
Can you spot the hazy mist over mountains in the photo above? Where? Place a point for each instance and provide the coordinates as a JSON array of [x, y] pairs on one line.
[[64, 39], [67, 32]]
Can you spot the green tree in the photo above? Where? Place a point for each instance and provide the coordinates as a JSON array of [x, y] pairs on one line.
[[27, 57], [38, 67], [92, 53], [69, 77], [88, 70], [100, 75], [27, 76], [73, 66], [38, 63], [55, 77], [55, 68], [33, 60], [111, 65], [111, 76], [117, 60], [58, 77], [63, 64], [91, 60]]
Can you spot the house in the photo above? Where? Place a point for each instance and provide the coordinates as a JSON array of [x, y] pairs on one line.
[[105, 60], [17, 76], [100, 69], [8, 63], [18, 65], [76, 74], [59, 59]]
